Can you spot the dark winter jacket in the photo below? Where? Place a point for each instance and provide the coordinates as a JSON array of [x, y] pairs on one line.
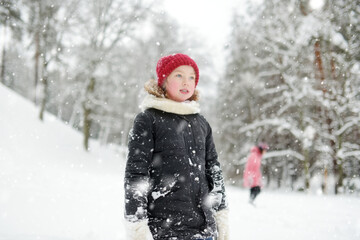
[[173, 177]]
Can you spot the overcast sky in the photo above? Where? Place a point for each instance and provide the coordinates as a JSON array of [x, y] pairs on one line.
[[210, 19]]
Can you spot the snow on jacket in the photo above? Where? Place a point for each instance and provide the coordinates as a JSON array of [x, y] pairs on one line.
[[252, 173], [173, 177]]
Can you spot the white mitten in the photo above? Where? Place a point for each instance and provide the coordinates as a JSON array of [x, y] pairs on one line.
[[222, 222], [138, 230]]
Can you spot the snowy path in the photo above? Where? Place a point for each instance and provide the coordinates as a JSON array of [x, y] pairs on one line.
[[66, 204], [296, 216], [52, 190]]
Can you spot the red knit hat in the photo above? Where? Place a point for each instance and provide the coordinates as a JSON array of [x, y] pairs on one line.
[[168, 64]]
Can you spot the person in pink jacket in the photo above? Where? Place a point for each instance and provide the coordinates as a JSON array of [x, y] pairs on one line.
[[252, 173]]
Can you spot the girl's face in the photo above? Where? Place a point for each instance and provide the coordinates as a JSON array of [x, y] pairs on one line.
[[180, 84]]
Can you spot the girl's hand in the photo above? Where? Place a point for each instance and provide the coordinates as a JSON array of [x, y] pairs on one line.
[[222, 222], [138, 230]]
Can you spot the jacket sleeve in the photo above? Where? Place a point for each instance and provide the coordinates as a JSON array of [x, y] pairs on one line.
[[214, 174], [136, 182]]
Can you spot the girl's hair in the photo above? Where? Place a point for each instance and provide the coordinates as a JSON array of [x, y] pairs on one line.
[[261, 149], [263, 146], [153, 88]]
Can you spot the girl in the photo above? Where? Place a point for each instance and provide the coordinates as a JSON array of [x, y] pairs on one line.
[[173, 181], [252, 174]]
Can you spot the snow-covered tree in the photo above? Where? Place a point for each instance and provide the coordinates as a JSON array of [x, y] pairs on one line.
[[100, 26], [281, 79], [10, 22], [46, 23]]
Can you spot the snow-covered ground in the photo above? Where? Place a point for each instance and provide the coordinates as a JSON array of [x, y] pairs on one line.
[[51, 189]]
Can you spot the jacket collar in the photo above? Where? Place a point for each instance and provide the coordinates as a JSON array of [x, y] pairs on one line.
[[168, 105]]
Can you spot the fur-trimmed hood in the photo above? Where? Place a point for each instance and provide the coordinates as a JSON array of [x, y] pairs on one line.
[[157, 99]]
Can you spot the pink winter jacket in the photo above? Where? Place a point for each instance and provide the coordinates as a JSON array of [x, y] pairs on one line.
[[252, 174]]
